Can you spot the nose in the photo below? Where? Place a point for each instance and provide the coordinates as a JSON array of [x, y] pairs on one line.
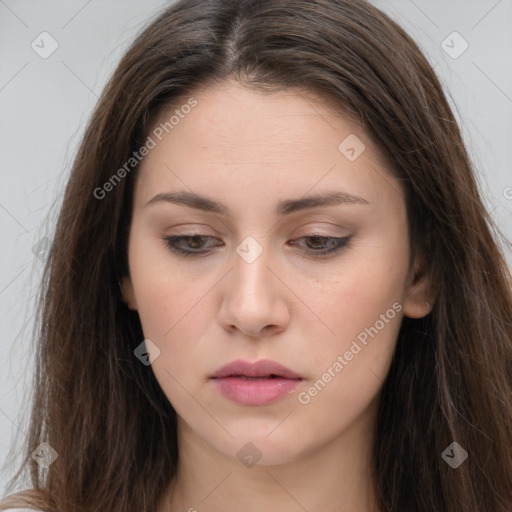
[[254, 299]]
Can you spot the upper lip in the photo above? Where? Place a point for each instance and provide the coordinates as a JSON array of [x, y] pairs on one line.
[[261, 368]]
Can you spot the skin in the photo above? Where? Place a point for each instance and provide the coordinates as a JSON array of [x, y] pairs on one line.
[[250, 150]]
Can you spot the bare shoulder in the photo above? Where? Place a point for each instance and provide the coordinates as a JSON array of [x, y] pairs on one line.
[[24, 509]]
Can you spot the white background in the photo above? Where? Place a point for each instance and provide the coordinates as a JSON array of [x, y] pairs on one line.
[[45, 103]]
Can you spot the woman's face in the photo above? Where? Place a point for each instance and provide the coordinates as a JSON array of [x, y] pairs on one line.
[[241, 177]]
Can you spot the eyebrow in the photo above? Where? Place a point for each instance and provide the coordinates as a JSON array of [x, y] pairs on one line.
[[284, 207]]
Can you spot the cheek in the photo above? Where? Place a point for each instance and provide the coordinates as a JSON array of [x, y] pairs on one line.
[[172, 307], [364, 286], [174, 315], [362, 305], [350, 370]]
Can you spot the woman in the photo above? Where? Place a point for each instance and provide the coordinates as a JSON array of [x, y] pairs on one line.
[[273, 284]]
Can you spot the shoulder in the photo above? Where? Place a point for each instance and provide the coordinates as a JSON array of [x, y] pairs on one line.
[[21, 510]]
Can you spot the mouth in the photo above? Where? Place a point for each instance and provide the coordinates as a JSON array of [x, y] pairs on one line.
[[247, 377], [260, 383], [262, 369]]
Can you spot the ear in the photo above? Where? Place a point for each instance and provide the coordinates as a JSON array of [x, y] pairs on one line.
[[128, 293], [419, 296]]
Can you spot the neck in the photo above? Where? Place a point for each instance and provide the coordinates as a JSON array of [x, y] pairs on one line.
[[335, 477]]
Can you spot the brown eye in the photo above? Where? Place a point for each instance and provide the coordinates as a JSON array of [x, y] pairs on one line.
[[321, 245], [194, 245], [187, 245]]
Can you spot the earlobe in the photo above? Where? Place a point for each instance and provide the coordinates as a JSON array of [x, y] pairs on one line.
[[128, 293], [419, 298]]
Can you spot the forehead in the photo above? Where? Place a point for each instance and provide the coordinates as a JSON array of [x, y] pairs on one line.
[[260, 142], [260, 121]]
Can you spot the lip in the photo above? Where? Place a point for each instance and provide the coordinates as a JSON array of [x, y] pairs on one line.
[[260, 383]]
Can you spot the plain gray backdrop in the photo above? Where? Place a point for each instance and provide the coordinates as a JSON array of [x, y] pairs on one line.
[[46, 99]]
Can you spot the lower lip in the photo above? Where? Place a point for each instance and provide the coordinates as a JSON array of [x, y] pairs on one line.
[[255, 391]]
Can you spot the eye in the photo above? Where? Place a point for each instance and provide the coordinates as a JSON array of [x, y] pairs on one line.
[[194, 241], [319, 245]]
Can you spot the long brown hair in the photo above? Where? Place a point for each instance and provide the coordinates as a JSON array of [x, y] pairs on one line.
[[451, 377]]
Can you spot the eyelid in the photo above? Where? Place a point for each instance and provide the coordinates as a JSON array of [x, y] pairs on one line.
[[309, 229]]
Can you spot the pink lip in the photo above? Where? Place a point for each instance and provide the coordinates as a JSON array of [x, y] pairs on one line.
[[259, 383]]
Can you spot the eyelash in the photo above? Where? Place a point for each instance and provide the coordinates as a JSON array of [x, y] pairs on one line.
[[341, 243]]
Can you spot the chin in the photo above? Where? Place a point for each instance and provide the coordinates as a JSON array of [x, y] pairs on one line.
[[266, 444]]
